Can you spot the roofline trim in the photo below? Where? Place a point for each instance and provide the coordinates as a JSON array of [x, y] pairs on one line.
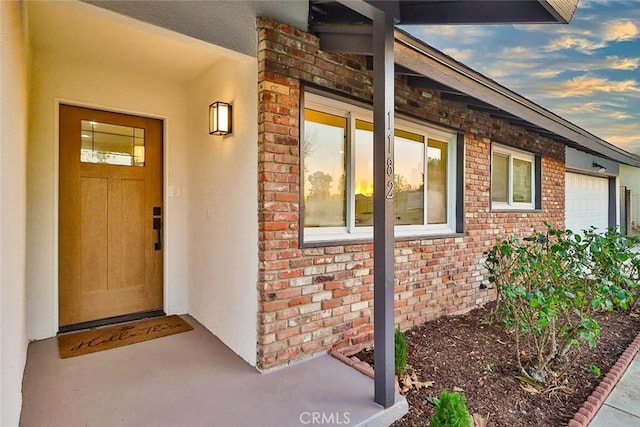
[[574, 133]]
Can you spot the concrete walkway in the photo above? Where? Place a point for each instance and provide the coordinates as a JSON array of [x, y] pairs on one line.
[[192, 379], [622, 407]]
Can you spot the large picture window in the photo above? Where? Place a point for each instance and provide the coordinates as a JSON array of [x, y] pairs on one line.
[[337, 151], [513, 178]]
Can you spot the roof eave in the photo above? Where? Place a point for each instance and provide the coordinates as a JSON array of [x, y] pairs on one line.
[[432, 12], [562, 10], [410, 53]]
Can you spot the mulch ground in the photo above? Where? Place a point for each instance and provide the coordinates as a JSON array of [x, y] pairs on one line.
[[475, 355]]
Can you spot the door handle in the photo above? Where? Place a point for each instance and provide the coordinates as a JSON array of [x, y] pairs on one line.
[[157, 225]]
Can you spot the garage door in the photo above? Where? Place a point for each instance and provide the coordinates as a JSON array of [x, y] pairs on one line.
[[586, 202]]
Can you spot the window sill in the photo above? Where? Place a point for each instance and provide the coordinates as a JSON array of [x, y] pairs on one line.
[[369, 240]]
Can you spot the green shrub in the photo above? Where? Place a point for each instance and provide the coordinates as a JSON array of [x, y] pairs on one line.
[[550, 284], [401, 352], [615, 256], [451, 411]]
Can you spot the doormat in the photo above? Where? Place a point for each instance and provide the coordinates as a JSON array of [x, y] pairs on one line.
[[85, 342]]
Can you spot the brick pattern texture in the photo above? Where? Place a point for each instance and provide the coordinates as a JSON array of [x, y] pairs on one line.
[[313, 299], [594, 402]]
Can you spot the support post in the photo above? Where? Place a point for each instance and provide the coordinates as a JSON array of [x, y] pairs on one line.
[[383, 209]]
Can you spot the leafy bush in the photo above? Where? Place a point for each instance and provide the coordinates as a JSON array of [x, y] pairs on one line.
[[401, 352], [451, 411], [549, 285], [615, 256]]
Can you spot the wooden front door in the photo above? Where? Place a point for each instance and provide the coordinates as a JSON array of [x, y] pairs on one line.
[[110, 226]]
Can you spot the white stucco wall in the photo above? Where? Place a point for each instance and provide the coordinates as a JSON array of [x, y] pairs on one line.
[[223, 221], [630, 178], [13, 143], [118, 88], [211, 230]]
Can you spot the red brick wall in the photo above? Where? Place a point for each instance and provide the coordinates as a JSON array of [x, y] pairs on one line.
[[316, 298]]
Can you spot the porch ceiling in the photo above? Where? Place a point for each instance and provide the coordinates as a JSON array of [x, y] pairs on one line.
[[81, 32]]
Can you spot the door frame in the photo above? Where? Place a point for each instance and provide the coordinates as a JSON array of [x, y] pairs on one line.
[[166, 224]]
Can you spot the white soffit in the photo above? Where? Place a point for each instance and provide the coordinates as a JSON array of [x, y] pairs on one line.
[[89, 34], [227, 23]]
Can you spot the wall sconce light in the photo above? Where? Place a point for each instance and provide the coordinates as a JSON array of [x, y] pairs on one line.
[[220, 118], [598, 166]]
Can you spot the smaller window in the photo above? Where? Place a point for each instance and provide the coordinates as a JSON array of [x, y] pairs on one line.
[[324, 166], [513, 179]]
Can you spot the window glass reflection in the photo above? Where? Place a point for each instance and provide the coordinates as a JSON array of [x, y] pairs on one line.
[[521, 181], [500, 178], [324, 154], [437, 182], [408, 177]]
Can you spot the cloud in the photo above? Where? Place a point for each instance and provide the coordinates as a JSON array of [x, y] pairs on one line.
[[612, 122], [580, 108], [501, 69], [546, 74], [591, 3], [571, 42], [617, 63], [583, 89], [621, 116], [587, 86], [587, 64], [587, 40], [462, 34], [587, 71], [595, 112], [519, 52], [588, 4], [496, 73], [629, 142], [524, 67], [461, 55], [621, 31], [623, 137]]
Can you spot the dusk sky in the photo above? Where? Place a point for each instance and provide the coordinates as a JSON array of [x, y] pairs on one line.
[[588, 71]]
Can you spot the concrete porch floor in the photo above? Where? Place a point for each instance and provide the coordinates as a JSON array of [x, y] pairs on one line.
[[192, 379]]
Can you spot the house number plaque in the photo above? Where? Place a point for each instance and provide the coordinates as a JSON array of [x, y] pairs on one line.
[[389, 184]]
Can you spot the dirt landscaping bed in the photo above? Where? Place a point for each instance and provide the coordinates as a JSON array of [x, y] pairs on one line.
[[471, 354]]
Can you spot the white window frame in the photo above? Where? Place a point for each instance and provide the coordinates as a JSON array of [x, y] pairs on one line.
[[350, 231], [513, 153]]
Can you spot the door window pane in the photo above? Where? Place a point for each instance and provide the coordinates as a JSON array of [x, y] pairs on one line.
[[324, 159], [521, 181], [437, 182], [500, 178], [111, 144]]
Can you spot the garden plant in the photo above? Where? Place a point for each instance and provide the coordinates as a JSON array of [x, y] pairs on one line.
[[451, 411], [551, 283], [400, 352]]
